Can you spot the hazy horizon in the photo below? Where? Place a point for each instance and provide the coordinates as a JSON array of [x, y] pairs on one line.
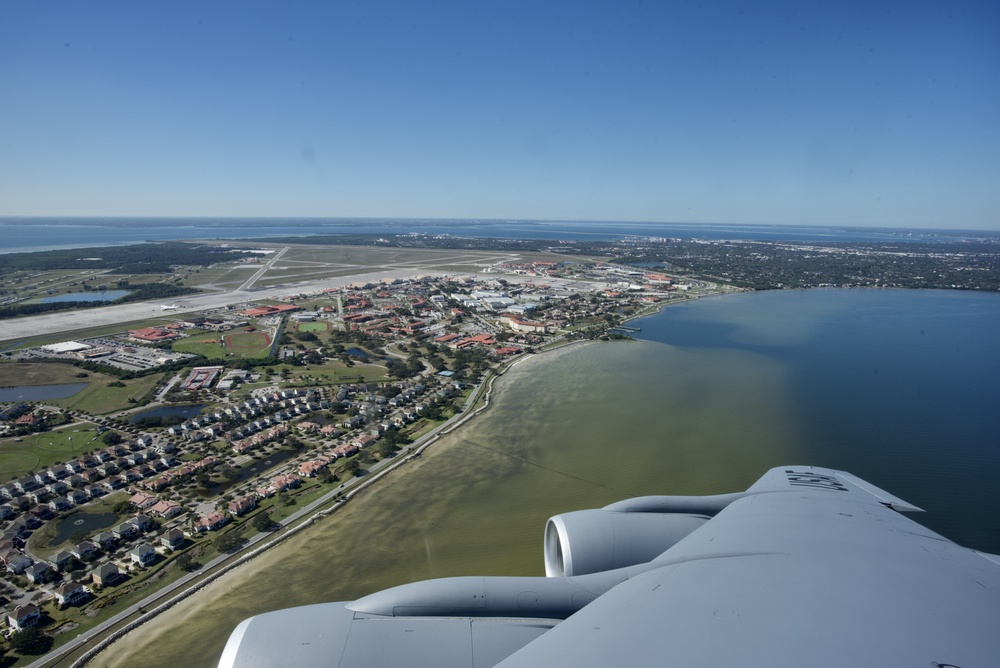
[[300, 220]]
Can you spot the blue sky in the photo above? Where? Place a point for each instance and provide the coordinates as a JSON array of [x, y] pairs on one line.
[[854, 112]]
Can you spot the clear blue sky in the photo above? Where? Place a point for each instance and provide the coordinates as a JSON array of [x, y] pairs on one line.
[[852, 112]]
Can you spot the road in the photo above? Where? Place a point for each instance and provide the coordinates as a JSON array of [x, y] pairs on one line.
[[347, 489]]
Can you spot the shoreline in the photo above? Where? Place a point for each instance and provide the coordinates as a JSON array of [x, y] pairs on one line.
[[264, 557]]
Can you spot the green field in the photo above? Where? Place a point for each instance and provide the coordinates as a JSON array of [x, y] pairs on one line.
[[252, 341], [206, 344], [99, 399], [313, 326], [334, 373], [40, 451], [231, 344]]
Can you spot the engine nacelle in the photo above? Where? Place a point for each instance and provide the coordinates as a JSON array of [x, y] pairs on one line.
[[591, 541]]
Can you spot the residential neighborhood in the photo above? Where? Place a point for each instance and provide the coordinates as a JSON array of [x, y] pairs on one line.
[[347, 377]]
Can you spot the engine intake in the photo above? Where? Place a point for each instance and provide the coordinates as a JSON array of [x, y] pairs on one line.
[[591, 541]]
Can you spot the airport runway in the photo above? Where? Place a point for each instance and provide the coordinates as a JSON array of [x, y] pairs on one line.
[[130, 316]]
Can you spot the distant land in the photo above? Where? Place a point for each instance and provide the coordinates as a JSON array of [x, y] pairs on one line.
[[759, 257], [44, 233]]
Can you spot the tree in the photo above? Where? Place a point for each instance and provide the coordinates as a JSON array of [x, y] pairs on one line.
[[122, 507], [186, 562], [111, 438], [262, 521], [31, 641], [229, 472], [229, 541]]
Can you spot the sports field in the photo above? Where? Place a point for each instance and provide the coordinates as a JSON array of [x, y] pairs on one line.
[[312, 326], [234, 344], [248, 341]]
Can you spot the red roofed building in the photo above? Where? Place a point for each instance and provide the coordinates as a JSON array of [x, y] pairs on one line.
[[242, 505], [283, 482], [153, 334], [166, 509], [309, 469], [259, 311], [211, 522]]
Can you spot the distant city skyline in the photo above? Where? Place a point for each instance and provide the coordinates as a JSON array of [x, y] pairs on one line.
[[878, 113]]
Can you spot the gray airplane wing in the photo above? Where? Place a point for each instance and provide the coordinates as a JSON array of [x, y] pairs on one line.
[[808, 567]]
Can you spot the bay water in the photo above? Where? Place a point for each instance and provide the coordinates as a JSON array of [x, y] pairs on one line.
[[898, 387]]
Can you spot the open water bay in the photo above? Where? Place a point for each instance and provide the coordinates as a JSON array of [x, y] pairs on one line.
[[898, 387]]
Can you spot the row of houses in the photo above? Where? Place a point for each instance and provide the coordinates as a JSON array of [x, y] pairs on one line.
[[240, 506], [104, 575], [191, 468]]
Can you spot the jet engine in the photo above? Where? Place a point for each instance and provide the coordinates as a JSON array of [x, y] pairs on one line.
[[592, 541]]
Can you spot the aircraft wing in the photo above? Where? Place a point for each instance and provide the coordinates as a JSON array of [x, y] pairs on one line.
[[808, 567]]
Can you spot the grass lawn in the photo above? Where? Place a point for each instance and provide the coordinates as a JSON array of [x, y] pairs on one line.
[[231, 344], [40, 451], [312, 326], [249, 344], [208, 344], [333, 373], [98, 399], [14, 374]]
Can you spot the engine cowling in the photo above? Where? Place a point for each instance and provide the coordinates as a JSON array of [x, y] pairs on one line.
[[591, 541]]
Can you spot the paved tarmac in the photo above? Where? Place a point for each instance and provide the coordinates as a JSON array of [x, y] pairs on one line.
[[128, 315], [69, 321]]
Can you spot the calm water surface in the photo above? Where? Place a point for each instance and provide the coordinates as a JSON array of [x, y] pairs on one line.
[[187, 412], [100, 296], [895, 386], [40, 392]]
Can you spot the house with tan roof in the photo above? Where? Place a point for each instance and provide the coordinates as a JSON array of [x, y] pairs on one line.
[[107, 575]]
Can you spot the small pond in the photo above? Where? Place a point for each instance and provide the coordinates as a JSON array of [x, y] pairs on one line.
[[365, 356], [40, 392], [88, 522], [102, 296], [252, 469], [186, 412], [259, 466]]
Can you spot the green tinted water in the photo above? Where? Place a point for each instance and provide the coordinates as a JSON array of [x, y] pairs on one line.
[[895, 386], [558, 437]]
